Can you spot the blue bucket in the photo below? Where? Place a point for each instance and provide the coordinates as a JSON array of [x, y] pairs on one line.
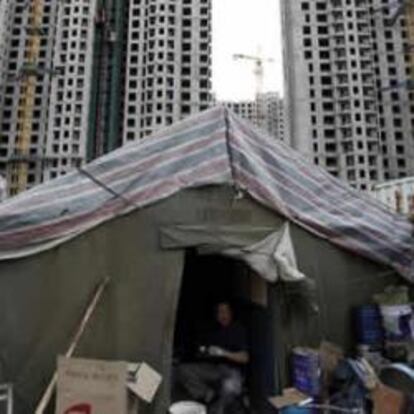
[[368, 324], [296, 410], [306, 371]]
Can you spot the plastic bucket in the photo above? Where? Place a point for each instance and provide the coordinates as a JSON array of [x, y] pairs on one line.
[[369, 328], [306, 371], [187, 407], [397, 321], [296, 410]]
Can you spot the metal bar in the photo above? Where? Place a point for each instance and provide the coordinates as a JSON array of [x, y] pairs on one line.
[[10, 400], [6, 394]]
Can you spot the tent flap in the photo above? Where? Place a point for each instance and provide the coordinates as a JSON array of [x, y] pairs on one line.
[[273, 258], [215, 237]]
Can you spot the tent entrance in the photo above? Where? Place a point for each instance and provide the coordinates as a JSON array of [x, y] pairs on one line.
[[208, 279]]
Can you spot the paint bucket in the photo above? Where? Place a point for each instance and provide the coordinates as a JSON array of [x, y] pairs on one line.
[[187, 407], [368, 324], [398, 322], [307, 371]]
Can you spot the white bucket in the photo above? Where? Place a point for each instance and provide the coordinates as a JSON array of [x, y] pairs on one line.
[[392, 315], [187, 407]]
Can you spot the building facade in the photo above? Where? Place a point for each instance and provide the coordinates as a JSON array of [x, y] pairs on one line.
[[4, 41], [70, 88], [99, 74], [168, 65], [266, 112], [271, 114], [47, 98], [397, 195], [346, 71]]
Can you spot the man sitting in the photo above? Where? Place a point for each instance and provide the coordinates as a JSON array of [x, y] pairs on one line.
[[217, 378]]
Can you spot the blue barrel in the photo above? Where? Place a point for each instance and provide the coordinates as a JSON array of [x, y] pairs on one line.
[[306, 371], [368, 324]]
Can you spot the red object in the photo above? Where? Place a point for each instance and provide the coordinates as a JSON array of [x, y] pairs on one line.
[[79, 409]]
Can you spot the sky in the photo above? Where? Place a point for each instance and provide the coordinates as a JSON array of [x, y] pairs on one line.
[[248, 27]]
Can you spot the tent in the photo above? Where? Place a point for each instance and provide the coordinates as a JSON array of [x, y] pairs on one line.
[[210, 182]]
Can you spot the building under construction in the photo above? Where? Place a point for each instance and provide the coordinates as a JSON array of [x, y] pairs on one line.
[[266, 112], [82, 78], [349, 86]]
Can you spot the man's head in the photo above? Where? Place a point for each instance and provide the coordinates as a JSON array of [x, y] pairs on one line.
[[224, 314]]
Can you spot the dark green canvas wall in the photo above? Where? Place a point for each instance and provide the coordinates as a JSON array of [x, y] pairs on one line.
[[42, 297]]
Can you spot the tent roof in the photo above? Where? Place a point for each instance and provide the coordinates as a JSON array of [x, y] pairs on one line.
[[214, 147]]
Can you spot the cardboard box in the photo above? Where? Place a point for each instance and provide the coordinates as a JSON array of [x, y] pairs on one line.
[[91, 386], [143, 381]]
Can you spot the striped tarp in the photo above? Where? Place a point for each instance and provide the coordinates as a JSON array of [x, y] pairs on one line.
[[214, 147]]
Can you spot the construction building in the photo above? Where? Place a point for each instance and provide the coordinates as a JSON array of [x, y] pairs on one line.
[[168, 66], [46, 100], [266, 112], [271, 114], [85, 76], [4, 44], [397, 195], [4, 37], [349, 97]]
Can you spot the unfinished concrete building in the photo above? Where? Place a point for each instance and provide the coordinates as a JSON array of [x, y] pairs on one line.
[[266, 112], [84, 77], [350, 107]]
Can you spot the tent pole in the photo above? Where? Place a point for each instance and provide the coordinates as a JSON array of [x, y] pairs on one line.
[[47, 395]]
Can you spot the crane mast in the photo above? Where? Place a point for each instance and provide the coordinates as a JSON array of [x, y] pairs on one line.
[[18, 167], [258, 69]]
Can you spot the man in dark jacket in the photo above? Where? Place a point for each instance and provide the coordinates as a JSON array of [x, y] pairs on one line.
[[216, 379]]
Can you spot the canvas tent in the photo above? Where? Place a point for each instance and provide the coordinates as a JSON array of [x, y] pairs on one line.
[[211, 182]]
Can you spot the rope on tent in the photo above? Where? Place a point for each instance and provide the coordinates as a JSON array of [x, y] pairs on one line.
[[105, 187], [47, 395]]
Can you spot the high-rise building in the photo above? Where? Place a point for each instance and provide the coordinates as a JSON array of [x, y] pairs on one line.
[[86, 76], [168, 66], [4, 42], [47, 93], [266, 112], [69, 109], [347, 102], [271, 114], [4, 34]]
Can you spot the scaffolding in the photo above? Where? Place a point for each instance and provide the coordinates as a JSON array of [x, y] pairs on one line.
[[18, 167], [109, 48]]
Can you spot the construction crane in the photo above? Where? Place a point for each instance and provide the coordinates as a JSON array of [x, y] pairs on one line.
[[259, 62], [258, 69], [18, 167]]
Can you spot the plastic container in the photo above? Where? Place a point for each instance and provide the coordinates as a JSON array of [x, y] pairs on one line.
[[297, 410], [398, 322], [306, 371], [187, 407], [368, 324]]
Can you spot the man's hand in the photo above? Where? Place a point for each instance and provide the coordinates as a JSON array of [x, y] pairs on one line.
[[216, 351], [241, 357]]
